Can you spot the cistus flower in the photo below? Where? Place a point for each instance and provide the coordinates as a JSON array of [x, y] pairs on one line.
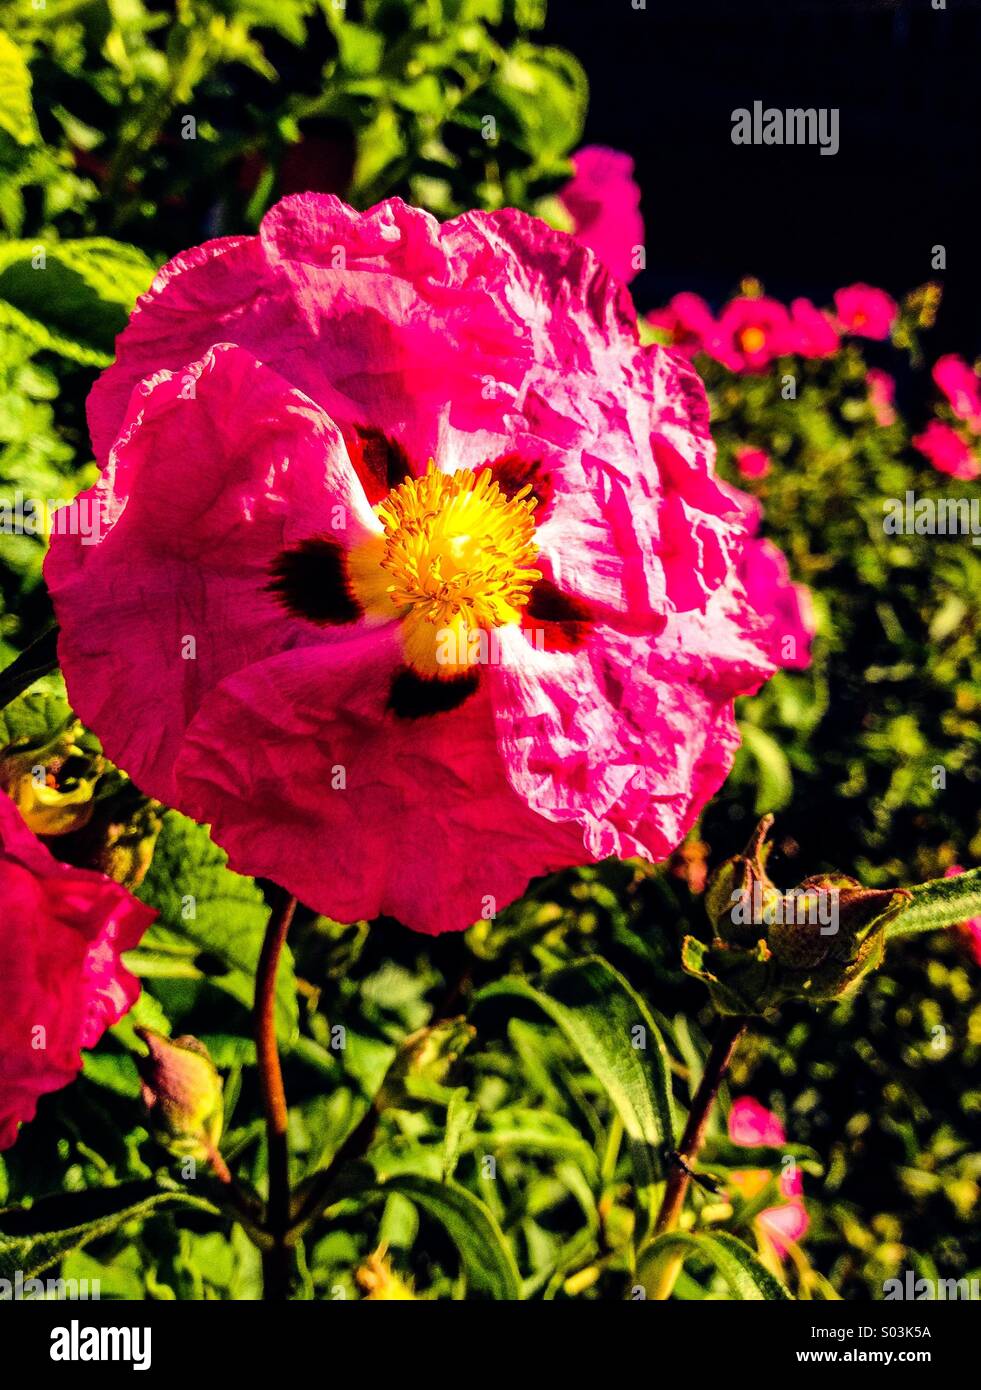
[[414, 578], [686, 323], [62, 934], [960, 384], [947, 451], [812, 331], [751, 332], [751, 1125], [866, 312], [603, 200]]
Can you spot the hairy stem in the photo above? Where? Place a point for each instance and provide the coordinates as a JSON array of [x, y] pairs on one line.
[[720, 1056], [277, 1261]]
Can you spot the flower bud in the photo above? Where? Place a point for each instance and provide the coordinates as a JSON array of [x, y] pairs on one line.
[[182, 1092], [815, 942]]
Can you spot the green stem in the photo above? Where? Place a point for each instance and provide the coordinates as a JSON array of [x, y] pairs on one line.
[[277, 1261]]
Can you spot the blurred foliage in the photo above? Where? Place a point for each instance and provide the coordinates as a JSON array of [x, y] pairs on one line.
[[507, 1147]]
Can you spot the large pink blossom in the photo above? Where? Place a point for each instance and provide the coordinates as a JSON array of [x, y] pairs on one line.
[[960, 384], [603, 201], [323, 448], [62, 932], [812, 331], [865, 311], [947, 451]]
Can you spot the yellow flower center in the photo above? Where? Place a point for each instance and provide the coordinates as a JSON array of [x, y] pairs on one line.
[[455, 560], [752, 339]]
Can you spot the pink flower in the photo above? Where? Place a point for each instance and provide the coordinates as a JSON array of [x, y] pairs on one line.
[[751, 333], [959, 383], [751, 1125], [62, 933], [687, 323], [947, 451], [604, 203], [971, 929], [812, 331], [866, 312], [390, 685], [882, 393], [753, 463]]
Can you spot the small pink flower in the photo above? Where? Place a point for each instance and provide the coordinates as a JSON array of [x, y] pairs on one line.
[[62, 934], [960, 384], [866, 312], [687, 323], [753, 463], [947, 451], [751, 1125], [751, 333], [882, 394], [812, 331], [604, 202], [971, 928]]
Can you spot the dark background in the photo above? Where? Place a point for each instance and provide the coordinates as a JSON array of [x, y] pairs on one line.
[[907, 81]]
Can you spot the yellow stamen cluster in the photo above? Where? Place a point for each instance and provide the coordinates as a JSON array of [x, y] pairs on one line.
[[456, 558]]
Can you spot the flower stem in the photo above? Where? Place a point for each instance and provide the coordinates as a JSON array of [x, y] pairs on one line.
[[731, 1030], [276, 1264]]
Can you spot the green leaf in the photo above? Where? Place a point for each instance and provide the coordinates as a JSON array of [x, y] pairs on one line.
[[484, 1253], [16, 110], [35, 1238], [943, 902], [211, 920], [72, 297], [599, 1013], [749, 1280], [28, 720], [774, 780]]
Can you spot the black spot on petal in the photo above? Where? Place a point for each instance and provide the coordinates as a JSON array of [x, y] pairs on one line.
[[379, 461], [413, 696], [311, 581], [554, 621], [511, 472]]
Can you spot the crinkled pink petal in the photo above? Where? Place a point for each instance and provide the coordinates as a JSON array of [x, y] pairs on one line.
[[62, 934], [363, 813], [216, 471]]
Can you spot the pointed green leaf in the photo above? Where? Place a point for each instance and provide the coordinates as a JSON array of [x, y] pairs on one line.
[[747, 1277], [943, 902]]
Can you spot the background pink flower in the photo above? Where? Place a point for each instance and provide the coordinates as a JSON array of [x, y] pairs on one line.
[[882, 394], [812, 332], [687, 323], [866, 312], [274, 400], [960, 384], [751, 1125], [604, 202], [751, 332], [62, 934], [752, 463], [947, 451]]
